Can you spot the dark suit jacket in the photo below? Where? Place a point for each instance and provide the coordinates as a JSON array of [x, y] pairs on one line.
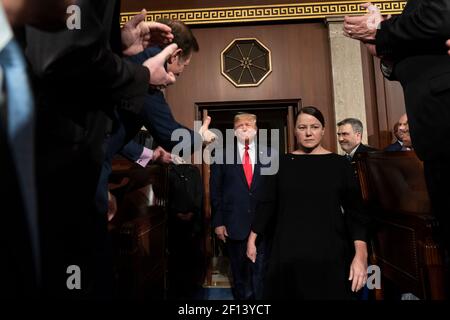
[[79, 72], [17, 243], [396, 146], [233, 203], [415, 41], [132, 151], [80, 78], [155, 115], [364, 148]]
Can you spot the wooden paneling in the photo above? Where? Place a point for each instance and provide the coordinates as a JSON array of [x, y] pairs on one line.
[[373, 134], [384, 102], [301, 70]]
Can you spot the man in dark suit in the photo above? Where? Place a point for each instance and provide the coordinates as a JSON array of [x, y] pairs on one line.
[[80, 78], [155, 115], [233, 189], [412, 49], [397, 143], [19, 240], [403, 138], [350, 131]]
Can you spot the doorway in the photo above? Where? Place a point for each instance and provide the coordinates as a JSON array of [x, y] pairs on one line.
[[271, 114]]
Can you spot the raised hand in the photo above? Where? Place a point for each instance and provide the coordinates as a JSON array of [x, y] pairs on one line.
[[159, 77], [138, 34], [207, 135]]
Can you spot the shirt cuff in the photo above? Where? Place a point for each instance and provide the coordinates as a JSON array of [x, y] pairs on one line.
[[145, 157]]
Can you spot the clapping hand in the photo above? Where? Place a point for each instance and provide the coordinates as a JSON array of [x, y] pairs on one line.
[[138, 34], [162, 156]]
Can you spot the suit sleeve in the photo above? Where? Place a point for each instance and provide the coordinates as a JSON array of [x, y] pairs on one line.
[[216, 192], [83, 59], [132, 151], [411, 30], [127, 82], [159, 121], [355, 215], [266, 206]]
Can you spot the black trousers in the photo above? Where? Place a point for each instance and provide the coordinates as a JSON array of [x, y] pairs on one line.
[[437, 175], [248, 277]]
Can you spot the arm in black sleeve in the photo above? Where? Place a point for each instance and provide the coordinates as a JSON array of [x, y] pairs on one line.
[[267, 205], [81, 62], [356, 217], [426, 23]]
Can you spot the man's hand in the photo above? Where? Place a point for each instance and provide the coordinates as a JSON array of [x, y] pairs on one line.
[[364, 27], [112, 206], [158, 74], [448, 45], [162, 156], [221, 233], [207, 135], [137, 34]]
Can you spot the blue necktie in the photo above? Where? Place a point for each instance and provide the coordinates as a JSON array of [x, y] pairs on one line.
[[20, 133], [19, 108]]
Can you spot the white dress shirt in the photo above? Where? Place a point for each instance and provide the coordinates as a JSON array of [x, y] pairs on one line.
[[352, 153], [251, 152], [5, 37]]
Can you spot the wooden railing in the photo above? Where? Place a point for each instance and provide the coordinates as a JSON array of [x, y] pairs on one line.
[[138, 230]]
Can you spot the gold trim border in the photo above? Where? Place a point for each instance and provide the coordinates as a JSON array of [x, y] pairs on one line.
[[264, 13]]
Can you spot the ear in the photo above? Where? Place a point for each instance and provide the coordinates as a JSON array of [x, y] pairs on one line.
[[175, 55]]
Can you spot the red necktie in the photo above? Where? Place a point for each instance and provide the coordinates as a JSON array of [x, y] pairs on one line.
[[247, 163]]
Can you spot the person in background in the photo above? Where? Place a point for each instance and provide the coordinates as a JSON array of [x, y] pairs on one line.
[[401, 131], [155, 115], [80, 78], [349, 134], [412, 49]]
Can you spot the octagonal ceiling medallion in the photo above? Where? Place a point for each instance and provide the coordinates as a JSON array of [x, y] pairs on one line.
[[246, 62]]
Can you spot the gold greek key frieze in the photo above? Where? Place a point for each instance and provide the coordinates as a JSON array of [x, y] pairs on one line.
[[268, 12]]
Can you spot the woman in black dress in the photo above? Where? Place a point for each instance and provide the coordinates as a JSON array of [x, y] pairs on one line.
[[316, 205]]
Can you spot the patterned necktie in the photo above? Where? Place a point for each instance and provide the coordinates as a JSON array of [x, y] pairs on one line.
[[20, 132], [349, 157], [247, 164]]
